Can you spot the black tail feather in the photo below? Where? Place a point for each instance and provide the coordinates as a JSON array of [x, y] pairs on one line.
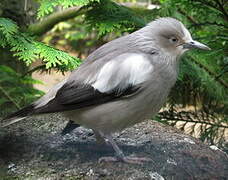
[[28, 110]]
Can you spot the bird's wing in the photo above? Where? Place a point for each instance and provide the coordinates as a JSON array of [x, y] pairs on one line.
[[117, 78]]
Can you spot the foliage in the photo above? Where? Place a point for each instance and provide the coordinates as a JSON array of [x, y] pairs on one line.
[[47, 6], [29, 50], [108, 16], [208, 127], [16, 90], [72, 36]]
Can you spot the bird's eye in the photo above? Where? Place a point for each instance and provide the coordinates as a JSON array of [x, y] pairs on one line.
[[173, 40]]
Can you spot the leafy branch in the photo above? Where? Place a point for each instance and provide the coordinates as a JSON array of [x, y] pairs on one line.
[[50, 21], [9, 97], [217, 5], [212, 128], [28, 50], [107, 16], [47, 6], [16, 89], [213, 74], [208, 23], [191, 117]]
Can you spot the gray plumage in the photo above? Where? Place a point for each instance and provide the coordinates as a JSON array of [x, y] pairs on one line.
[[121, 83]]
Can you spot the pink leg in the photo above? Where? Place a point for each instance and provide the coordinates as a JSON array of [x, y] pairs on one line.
[[120, 157]]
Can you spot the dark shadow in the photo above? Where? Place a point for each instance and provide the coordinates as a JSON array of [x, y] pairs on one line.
[[14, 147]]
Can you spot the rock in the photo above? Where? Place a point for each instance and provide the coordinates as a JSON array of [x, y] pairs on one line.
[[38, 151]]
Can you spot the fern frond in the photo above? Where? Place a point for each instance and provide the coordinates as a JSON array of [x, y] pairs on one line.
[[15, 91], [54, 58], [3, 41], [8, 28], [48, 6], [197, 85], [210, 128], [108, 16], [28, 50]]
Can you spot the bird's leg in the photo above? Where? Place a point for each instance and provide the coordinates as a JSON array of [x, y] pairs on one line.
[[99, 138], [120, 157]]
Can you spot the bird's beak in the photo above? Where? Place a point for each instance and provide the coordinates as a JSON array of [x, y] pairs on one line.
[[195, 44]]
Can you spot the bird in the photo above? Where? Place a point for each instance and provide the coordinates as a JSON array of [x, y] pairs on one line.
[[122, 83]]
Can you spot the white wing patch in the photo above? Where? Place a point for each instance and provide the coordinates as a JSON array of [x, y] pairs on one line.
[[122, 72], [139, 68], [102, 81]]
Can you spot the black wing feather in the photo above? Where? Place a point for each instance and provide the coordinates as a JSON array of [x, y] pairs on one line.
[[70, 97]]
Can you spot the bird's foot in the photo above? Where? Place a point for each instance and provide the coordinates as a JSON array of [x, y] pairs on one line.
[[125, 159], [99, 138], [120, 157]]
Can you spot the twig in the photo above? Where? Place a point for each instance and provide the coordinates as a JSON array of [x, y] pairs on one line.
[[209, 4], [34, 69], [221, 74], [172, 118], [201, 122], [221, 8], [208, 23], [8, 96], [25, 5], [190, 18], [48, 23]]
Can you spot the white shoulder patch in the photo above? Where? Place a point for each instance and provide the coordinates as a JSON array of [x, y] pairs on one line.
[[102, 82], [122, 72], [139, 68]]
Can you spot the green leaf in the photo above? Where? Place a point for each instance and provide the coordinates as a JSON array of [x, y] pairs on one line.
[[28, 50], [48, 6], [108, 16], [8, 28]]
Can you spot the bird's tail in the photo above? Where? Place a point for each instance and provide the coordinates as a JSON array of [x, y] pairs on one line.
[[18, 115]]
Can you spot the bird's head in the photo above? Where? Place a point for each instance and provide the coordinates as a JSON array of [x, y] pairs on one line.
[[172, 36]]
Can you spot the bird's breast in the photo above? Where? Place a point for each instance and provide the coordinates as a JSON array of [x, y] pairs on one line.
[[158, 87]]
